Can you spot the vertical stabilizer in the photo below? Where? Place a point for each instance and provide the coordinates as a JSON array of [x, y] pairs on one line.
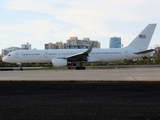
[[142, 41]]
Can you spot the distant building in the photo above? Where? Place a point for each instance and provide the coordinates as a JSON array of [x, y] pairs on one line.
[[8, 50], [73, 43], [58, 45], [26, 46], [115, 42]]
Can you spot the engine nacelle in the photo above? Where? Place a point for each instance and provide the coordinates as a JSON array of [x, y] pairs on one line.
[[59, 62]]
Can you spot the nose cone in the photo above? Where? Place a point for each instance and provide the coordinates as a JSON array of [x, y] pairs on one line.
[[3, 59]]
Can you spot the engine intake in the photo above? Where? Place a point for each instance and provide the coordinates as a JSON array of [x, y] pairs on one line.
[[59, 62]]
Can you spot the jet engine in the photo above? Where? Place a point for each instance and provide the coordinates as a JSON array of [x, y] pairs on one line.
[[59, 62]]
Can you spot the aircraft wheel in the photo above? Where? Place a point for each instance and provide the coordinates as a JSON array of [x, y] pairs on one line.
[[21, 69], [83, 68], [77, 68]]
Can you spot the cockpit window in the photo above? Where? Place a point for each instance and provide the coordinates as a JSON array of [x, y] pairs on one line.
[[9, 54]]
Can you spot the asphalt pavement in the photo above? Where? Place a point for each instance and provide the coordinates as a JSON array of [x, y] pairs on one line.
[[48, 100]]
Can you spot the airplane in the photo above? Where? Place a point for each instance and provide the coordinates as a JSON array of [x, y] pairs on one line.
[[67, 57]]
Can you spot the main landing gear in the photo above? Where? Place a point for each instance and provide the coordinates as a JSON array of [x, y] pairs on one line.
[[76, 67], [80, 68]]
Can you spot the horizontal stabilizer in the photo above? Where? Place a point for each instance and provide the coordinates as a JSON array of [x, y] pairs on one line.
[[145, 51]]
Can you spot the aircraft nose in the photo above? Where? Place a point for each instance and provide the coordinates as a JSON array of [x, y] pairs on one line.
[[3, 59]]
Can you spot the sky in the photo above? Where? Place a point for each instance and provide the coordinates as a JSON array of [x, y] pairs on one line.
[[43, 21]]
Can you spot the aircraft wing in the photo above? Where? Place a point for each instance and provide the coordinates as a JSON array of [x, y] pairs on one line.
[[80, 56], [145, 51]]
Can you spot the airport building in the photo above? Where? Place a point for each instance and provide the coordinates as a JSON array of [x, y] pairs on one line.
[[26, 46], [115, 42], [73, 43]]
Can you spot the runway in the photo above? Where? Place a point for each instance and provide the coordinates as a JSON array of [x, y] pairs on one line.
[[79, 100], [123, 74]]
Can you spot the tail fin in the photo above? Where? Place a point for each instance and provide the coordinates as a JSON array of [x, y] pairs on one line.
[[142, 41]]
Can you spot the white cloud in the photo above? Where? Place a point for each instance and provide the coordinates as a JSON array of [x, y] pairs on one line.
[[2, 36], [82, 13], [30, 5], [37, 29], [95, 10]]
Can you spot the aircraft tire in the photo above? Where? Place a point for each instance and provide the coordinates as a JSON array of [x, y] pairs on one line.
[[21, 69], [82, 68], [78, 68]]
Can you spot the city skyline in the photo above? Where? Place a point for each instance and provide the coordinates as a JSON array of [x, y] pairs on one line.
[[44, 21]]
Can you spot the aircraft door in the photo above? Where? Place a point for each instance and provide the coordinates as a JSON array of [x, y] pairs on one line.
[[16, 55], [126, 53], [45, 54]]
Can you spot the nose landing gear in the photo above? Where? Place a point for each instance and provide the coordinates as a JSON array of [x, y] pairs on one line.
[[20, 65]]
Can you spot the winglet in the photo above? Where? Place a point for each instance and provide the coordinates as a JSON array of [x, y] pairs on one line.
[[90, 48]]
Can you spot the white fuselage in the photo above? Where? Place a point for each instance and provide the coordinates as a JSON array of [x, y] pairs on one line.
[[96, 55]]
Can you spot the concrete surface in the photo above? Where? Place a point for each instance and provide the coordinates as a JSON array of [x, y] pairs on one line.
[[123, 74]]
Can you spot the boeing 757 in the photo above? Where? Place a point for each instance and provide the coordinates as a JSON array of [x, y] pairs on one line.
[[67, 57]]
